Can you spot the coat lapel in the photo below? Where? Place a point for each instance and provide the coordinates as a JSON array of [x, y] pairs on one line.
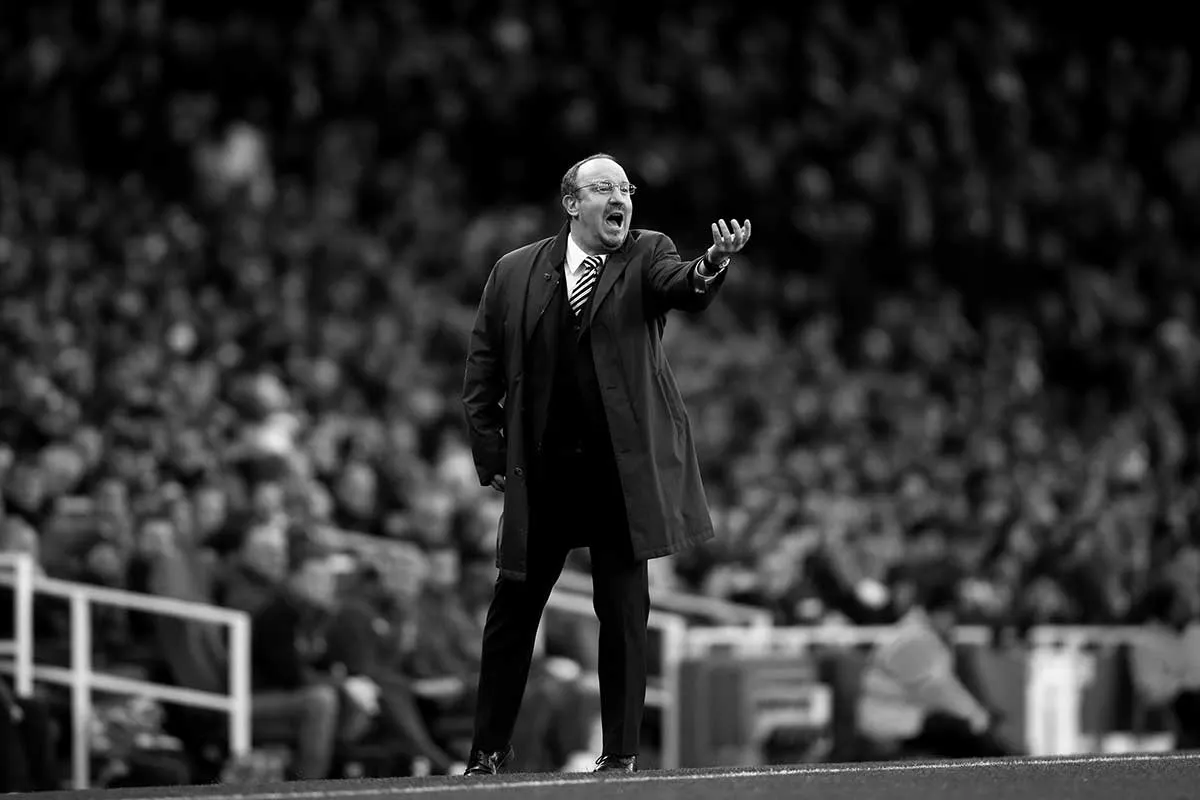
[[614, 265], [545, 274]]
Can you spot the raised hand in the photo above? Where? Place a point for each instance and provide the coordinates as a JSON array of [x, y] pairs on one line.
[[726, 241]]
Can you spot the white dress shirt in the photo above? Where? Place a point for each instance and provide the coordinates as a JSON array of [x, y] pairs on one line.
[[574, 267]]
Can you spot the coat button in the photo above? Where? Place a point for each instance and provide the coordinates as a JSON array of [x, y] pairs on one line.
[[519, 472]]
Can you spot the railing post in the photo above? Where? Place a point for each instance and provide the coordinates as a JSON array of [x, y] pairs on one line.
[[81, 688], [674, 634], [239, 686], [24, 625]]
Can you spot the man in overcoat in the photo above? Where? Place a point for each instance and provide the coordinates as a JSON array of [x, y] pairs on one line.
[[574, 414]]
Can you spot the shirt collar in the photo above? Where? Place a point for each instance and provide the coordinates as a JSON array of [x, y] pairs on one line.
[[576, 256]]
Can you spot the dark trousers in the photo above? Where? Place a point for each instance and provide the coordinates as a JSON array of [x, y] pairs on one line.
[[575, 500], [27, 743]]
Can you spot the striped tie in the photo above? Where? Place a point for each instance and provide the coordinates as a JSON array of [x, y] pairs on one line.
[[587, 282]]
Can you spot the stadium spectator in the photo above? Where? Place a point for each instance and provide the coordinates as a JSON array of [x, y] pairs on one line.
[[911, 694], [360, 639], [27, 744], [1165, 661], [254, 572], [295, 701]]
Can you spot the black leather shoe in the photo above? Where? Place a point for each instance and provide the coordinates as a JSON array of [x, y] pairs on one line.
[[610, 763], [483, 763]]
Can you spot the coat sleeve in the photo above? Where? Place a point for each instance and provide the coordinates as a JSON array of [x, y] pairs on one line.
[[484, 384], [673, 283]]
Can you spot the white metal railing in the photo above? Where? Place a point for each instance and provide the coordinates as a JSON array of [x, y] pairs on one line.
[[761, 641], [18, 571], [711, 610], [663, 694]]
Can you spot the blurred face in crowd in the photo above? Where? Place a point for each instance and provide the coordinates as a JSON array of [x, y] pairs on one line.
[[444, 569], [210, 510], [156, 538], [183, 517], [112, 499], [188, 452], [777, 571], [405, 573], [403, 436], [432, 515], [357, 489], [600, 219], [105, 564], [265, 551], [26, 488], [268, 500], [315, 582], [62, 467], [17, 536]]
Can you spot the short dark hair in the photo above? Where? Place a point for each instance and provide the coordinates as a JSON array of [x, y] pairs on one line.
[[570, 179], [305, 551]]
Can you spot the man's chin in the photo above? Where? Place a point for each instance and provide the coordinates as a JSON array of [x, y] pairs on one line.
[[612, 239]]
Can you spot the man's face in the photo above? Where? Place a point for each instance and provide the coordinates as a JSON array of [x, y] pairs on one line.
[[112, 499], [268, 500], [106, 564], [157, 537], [265, 551], [316, 582], [26, 488], [405, 573], [444, 569], [600, 220], [17, 536], [210, 510], [357, 488]]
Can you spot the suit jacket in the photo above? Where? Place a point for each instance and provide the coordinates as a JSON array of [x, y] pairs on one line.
[[354, 642], [649, 427], [287, 644]]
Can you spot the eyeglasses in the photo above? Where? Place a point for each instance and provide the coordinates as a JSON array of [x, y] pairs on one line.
[[606, 187]]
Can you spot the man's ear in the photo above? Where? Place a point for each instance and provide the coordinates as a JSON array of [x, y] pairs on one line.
[[570, 204]]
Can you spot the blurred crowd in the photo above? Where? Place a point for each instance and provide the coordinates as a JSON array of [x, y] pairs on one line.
[[240, 248]]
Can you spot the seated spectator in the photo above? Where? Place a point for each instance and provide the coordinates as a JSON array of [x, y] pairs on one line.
[[27, 745], [194, 653], [295, 701], [910, 693], [447, 635], [1165, 660], [358, 641], [49, 619], [258, 563]]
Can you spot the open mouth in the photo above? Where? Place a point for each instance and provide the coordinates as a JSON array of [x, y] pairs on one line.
[[615, 219]]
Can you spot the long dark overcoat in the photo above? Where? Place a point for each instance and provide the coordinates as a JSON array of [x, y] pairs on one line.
[[650, 430]]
